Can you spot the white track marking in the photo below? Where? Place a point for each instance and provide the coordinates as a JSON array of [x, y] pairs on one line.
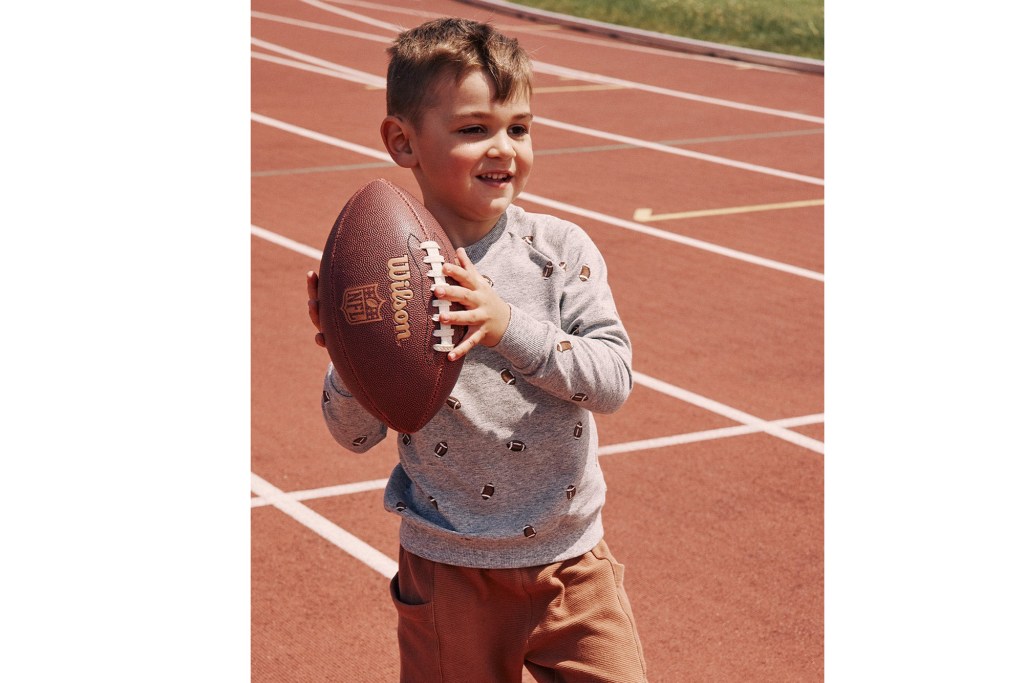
[[560, 32], [555, 70], [564, 72], [302, 66], [328, 491], [422, 14], [353, 74], [320, 137], [357, 548], [569, 208], [625, 447], [647, 215], [755, 423], [387, 40], [365, 78], [286, 242], [673, 237], [369, 79], [728, 411], [678, 151], [387, 25], [706, 435]]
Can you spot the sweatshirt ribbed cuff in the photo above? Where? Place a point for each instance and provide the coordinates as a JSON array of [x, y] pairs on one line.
[[523, 341]]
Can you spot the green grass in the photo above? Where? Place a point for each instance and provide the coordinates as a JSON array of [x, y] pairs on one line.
[[790, 27]]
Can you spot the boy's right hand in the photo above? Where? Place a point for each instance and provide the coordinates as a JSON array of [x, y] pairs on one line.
[[312, 281]]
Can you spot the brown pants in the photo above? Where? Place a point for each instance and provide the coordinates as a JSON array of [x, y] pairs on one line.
[[569, 621]]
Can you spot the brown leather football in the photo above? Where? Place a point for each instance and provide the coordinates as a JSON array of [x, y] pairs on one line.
[[377, 311]]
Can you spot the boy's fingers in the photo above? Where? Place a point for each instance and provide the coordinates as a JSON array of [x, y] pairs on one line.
[[460, 274], [454, 293], [312, 280], [313, 306], [314, 312], [464, 271], [466, 317], [465, 345]]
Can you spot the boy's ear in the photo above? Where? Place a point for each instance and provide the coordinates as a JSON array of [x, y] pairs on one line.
[[395, 134]]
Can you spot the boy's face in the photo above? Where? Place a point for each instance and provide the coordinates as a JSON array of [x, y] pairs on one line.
[[473, 155]]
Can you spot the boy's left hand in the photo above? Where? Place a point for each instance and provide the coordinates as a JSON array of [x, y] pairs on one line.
[[486, 314]]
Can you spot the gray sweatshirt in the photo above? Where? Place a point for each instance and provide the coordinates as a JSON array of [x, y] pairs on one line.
[[506, 474]]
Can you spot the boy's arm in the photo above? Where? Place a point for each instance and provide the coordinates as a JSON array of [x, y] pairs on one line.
[[586, 359], [347, 421]]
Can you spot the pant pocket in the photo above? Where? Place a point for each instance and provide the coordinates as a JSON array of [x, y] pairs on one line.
[[413, 611], [602, 552], [418, 647]]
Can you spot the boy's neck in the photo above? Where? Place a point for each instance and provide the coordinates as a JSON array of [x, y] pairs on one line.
[[462, 232], [464, 236]]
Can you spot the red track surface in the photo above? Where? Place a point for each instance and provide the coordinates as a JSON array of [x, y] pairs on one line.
[[722, 533]]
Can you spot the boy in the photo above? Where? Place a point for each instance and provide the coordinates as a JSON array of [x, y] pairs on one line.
[[502, 561]]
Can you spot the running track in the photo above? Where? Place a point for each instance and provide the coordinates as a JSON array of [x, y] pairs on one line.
[[701, 181]]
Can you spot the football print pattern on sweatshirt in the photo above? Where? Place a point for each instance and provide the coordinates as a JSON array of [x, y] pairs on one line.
[[489, 490]]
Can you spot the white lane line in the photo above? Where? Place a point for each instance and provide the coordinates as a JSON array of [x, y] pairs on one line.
[[320, 137], [625, 447], [357, 548], [552, 69], [364, 78], [302, 66], [755, 423], [706, 435], [329, 491], [678, 151], [673, 237], [565, 72], [362, 18], [729, 412], [547, 30], [387, 40], [286, 242], [568, 208], [560, 32], [422, 14], [355, 75]]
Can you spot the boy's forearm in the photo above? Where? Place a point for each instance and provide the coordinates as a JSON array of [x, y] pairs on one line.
[[348, 422], [592, 367]]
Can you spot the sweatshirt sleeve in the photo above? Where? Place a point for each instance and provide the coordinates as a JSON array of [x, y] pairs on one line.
[[349, 423], [588, 357]]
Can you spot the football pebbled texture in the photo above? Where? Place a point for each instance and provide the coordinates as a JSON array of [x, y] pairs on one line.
[[377, 310]]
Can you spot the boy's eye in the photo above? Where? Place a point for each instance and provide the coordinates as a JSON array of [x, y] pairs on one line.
[[472, 130], [518, 131]]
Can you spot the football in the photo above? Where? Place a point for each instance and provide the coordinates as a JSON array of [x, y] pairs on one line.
[[377, 311]]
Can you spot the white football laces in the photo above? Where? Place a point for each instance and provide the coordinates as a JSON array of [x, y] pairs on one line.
[[444, 331]]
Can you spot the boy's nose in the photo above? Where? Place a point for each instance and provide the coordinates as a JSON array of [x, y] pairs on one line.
[[501, 146]]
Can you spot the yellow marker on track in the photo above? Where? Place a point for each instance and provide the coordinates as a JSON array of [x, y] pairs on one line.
[[647, 216]]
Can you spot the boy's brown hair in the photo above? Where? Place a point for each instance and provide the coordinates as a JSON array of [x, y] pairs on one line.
[[452, 47]]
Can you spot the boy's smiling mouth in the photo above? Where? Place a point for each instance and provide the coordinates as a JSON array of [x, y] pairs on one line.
[[496, 177]]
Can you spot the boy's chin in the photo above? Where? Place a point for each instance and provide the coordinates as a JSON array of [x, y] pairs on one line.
[[498, 207]]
